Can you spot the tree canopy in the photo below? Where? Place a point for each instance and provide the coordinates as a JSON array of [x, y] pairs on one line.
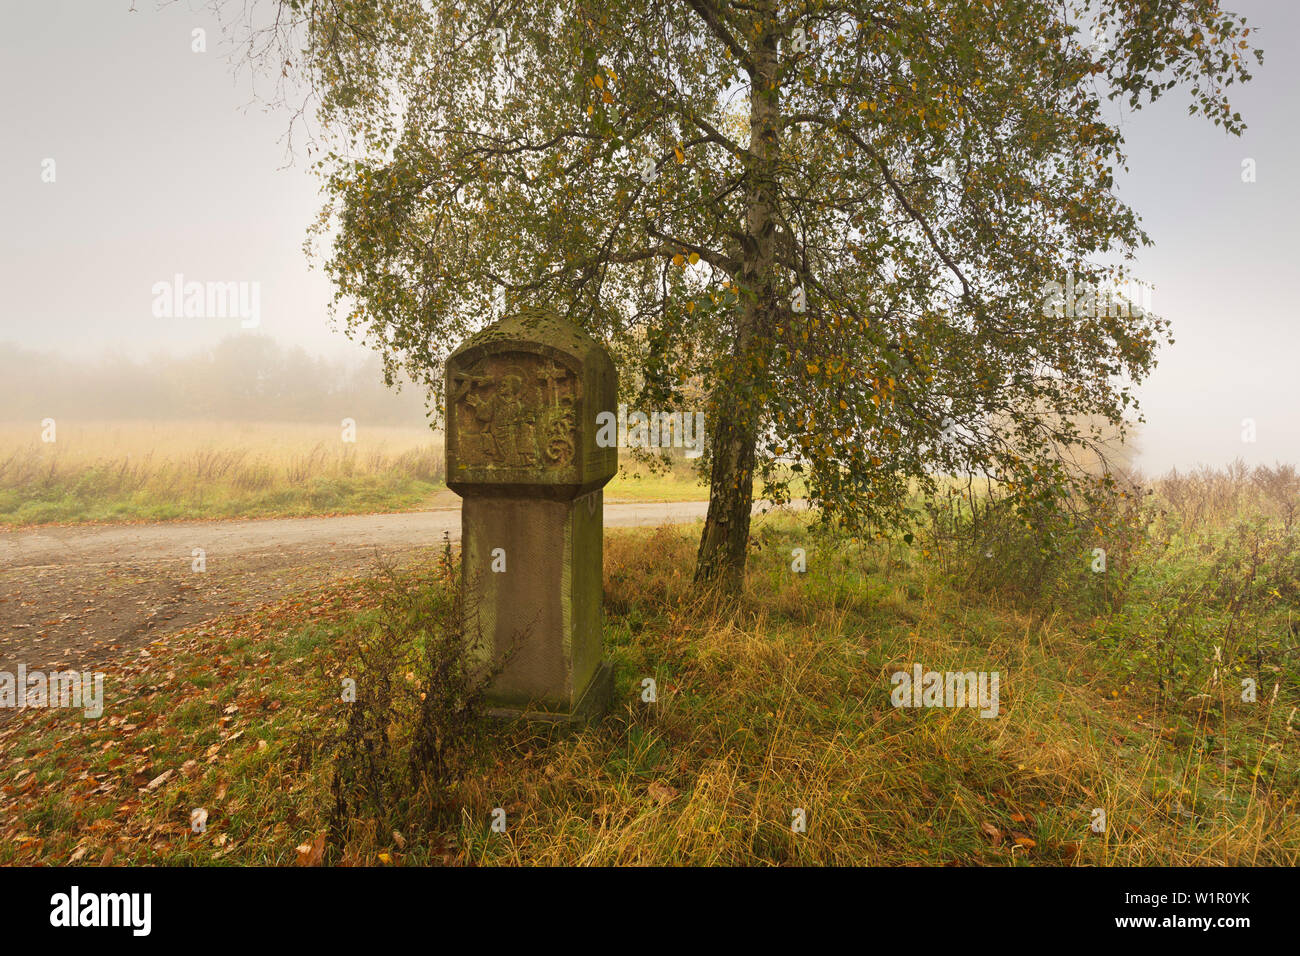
[[842, 218]]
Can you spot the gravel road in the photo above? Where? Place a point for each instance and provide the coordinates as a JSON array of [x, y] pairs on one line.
[[75, 596]]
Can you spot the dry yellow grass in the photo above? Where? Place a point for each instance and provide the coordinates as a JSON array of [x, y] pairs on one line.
[[772, 704], [140, 470], [107, 471], [83, 443]]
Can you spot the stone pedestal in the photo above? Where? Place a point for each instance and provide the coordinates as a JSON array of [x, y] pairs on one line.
[[522, 400]]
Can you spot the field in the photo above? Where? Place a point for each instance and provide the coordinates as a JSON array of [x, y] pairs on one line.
[[143, 471], [1125, 734]]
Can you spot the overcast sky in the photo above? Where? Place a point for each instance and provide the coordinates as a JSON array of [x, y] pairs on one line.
[[163, 164]]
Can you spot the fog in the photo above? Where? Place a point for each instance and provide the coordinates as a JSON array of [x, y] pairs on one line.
[[131, 159], [243, 378]]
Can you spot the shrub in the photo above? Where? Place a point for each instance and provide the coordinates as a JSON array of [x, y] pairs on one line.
[[1073, 546], [414, 729], [1223, 616]]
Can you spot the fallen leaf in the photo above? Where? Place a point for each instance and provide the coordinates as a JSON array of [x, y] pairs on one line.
[[660, 792], [310, 854]]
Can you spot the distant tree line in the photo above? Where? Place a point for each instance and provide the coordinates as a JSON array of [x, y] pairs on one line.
[[244, 378]]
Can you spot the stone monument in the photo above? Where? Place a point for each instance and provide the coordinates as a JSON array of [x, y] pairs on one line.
[[522, 400]]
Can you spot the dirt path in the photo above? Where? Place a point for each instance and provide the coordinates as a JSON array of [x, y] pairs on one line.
[[72, 597]]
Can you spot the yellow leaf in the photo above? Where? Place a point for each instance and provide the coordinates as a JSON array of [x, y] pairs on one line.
[[679, 259], [812, 367], [681, 157], [694, 258]]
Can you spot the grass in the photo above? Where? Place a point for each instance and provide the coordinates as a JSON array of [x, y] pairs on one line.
[[144, 471], [776, 704]]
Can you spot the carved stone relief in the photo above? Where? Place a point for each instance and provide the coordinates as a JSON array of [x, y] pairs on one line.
[[516, 410]]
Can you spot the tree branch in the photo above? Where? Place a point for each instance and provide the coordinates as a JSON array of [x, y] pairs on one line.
[[713, 20]]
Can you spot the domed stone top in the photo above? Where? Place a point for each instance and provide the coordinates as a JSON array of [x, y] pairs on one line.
[[522, 400]]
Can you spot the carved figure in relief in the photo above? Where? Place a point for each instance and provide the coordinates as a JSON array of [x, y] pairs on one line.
[[517, 413]]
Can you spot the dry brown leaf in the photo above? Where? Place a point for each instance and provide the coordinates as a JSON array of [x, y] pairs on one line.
[[660, 792], [311, 854]]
